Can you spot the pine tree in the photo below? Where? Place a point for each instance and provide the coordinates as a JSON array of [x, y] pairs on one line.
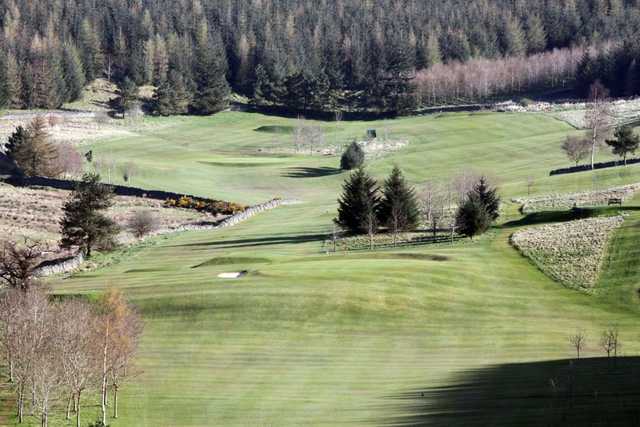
[[172, 97], [212, 88], [536, 35], [127, 95], [90, 50], [358, 203], [626, 142], [433, 55], [472, 218], [489, 198], [74, 74], [513, 38], [398, 209], [4, 87], [353, 157], [16, 140], [84, 223]]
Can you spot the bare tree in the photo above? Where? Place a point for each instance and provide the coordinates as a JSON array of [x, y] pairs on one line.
[[335, 236], [434, 204], [143, 223], [307, 136], [578, 341], [117, 332], [78, 362], [68, 161], [610, 341], [18, 264], [371, 225], [29, 344], [576, 148], [9, 310], [598, 117]]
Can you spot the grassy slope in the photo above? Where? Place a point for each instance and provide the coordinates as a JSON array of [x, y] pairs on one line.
[[318, 339]]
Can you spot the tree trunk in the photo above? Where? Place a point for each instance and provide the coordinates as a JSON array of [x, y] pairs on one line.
[[69, 403], [33, 401], [21, 404], [593, 154], [11, 379], [104, 378], [78, 410], [115, 401]]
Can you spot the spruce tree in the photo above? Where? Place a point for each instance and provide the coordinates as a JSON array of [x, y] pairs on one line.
[[171, 97], [127, 94], [398, 209], [353, 157], [90, 50], [358, 204], [84, 223], [626, 142], [489, 198], [4, 87], [212, 88], [472, 218], [536, 35], [74, 75]]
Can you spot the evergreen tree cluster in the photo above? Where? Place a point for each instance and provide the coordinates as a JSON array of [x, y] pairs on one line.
[[617, 68], [302, 54], [364, 206]]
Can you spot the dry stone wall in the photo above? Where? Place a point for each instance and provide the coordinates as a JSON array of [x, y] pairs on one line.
[[567, 201], [72, 263]]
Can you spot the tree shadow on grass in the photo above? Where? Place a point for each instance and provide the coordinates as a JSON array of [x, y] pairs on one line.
[[261, 241], [303, 172], [586, 392]]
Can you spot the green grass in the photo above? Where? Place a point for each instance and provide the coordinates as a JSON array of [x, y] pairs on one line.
[[313, 339]]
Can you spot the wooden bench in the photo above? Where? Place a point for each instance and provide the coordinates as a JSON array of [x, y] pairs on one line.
[[612, 202]]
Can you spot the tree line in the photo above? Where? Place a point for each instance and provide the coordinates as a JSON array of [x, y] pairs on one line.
[[58, 352], [303, 54]]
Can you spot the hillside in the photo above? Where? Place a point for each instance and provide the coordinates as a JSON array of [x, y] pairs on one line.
[[314, 338]]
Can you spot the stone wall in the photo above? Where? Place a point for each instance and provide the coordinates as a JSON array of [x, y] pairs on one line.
[[60, 266], [68, 264], [567, 201]]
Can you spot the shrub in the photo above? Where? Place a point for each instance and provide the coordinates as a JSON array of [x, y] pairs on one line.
[[214, 207], [353, 157], [143, 223]]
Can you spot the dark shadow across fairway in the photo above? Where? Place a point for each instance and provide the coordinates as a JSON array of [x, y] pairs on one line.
[[232, 261], [262, 241], [301, 172], [586, 392]]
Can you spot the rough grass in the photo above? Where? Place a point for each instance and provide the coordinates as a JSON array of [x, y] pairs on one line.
[[315, 339], [35, 213], [570, 252]]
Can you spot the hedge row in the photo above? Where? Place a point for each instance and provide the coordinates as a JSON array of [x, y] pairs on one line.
[[601, 165]]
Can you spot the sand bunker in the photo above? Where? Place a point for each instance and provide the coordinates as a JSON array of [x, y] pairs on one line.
[[233, 275]]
